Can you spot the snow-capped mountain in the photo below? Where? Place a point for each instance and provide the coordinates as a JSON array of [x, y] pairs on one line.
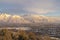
[[35, 18], [7, 19]]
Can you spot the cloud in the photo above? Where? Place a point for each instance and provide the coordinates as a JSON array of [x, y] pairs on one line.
[[31, 6], [14, 1], [38, 11]]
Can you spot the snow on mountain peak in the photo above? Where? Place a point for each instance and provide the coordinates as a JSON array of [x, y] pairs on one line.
[[26, 19]]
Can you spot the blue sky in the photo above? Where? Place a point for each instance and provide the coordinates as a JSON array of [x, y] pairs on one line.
[[44, 7]]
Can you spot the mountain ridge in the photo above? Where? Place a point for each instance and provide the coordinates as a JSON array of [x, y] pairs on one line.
[[7, 19]]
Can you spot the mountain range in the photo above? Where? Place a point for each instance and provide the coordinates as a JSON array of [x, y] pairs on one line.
[[7, 19]]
